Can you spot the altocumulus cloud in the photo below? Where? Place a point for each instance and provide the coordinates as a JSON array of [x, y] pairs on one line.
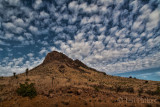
[[113, 36]]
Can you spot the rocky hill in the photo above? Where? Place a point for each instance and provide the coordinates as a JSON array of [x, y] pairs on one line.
[[60, 81]]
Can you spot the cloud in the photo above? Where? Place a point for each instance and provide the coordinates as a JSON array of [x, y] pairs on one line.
[[111, 36], [9, 26], [37, 4], [43, 15], [43, 51], [30, 54], [8, 36], [4, 43], [33, 29], [17, 65], [154, 20], [13, 2], [19, 22], [20, 38]]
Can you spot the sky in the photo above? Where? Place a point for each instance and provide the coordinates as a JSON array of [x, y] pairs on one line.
[[114, 36], [147, 74]]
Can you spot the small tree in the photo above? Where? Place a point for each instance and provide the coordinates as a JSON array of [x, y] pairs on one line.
[[27, 72], [14, 74], [27, 90]]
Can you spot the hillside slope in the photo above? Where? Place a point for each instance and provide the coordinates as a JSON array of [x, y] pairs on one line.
[[61, 81]]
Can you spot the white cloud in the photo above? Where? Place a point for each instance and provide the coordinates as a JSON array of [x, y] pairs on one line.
[[13, 2], [73, 6], [19, 22], [37, 4], [8, 36], [18, 30], [138, 26], [154, 20], [20, 38], [33, 29], [79, 37], [43, 15], [9, 26], [30, 54], [43, 51], [57, 29], [28, 35], [60, 2]]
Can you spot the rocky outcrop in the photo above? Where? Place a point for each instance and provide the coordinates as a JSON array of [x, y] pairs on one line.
[[54, 55]]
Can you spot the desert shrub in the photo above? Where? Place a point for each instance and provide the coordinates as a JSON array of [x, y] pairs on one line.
[[156, 92], [130, 76], [96, 88], [146, 82], [1, 78], [150, 92], [2, 87], [27, 90], [118, 89], [62, 66], [61, 70], [16, 77], [99, 100], [130, 89], [50, 91], [158, 100], [65, 102], [140, 91], [27, 79]]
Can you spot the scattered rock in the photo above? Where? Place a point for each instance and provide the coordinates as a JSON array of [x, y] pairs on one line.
[[78, 92], [51, 95], [70, 91]]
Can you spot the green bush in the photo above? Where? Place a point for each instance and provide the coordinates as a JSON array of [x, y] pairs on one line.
[[27, 90]]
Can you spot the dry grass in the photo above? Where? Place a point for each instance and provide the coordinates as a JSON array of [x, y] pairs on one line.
[[75, 87]]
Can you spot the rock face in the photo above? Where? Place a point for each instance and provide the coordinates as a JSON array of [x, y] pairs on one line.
[[79, 63], [60, 57], [54, 55]]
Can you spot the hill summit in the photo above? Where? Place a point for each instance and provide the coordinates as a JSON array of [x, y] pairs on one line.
[[58, 56]]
